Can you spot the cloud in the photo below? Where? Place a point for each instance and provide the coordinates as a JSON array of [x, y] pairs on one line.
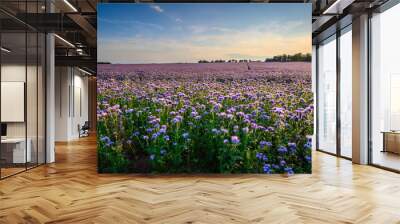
[[240, 46], [253, 42], [197, 29], [156, 8], [178, 20], [130, 22]]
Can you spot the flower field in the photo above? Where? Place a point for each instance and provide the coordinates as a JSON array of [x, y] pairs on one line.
[[205, 118]]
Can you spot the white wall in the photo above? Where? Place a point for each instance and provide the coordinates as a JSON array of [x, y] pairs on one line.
[[33, 126], [62, 82], [70, 83]]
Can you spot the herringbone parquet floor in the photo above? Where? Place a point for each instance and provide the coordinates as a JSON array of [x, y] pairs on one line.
[[71, 191]]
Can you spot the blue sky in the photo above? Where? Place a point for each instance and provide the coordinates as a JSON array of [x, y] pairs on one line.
[[168, 33]]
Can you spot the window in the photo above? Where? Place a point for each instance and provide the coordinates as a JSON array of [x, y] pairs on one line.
[[327, 95], [346, 92], [385, 89]]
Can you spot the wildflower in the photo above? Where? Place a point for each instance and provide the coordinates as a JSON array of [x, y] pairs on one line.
[[292, 146], [289, 171], [265, 143], [162, 131], [177, 119], [267, 168], [163, 151], [154, 136], [215, 131], [308, 145], [235, 139], [278, 110], [166, 138], [107, 141], [226, 141], [261, 156], [185, 135], [282, 149]]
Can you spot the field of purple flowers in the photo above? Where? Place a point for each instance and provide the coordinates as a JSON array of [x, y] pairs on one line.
[[205, 118]]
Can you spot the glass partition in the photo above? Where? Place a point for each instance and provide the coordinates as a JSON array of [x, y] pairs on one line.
[[327, 95], [41, 97], [385, 89], [346, 92], [22, 78], [13, 94], [32, 97]]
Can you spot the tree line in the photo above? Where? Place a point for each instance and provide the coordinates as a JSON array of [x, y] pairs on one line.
[[278, 58]]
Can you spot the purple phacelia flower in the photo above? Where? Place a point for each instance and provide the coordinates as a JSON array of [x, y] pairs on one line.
[[235, 139]]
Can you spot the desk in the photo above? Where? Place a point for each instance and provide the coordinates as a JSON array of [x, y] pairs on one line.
[[15, 148], [391, 141]]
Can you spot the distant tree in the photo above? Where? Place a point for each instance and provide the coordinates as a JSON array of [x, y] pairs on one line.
[[286, 58]]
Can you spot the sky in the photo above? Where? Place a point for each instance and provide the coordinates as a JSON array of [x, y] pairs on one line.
[[186, 33]]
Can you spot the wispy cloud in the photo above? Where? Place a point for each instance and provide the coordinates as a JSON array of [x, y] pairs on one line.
[[249, 43], [156, 8], [177, 36], [199, 29], [132, 22]]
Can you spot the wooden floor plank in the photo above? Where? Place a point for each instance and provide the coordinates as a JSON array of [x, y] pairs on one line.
[[71, 191]]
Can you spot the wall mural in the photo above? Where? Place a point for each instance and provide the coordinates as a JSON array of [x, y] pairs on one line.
[[204, 88]]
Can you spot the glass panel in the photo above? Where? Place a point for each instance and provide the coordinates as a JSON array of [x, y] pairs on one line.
[[385, 84], [41, 98], [32, 87], [327, 95], [31, 98], [13, 87], [346, 92]]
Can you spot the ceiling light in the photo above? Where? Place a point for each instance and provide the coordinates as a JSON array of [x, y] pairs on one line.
[[65, 41], [70, 5], [5, 50], [337, 7], [86, 72], [334, 5]]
